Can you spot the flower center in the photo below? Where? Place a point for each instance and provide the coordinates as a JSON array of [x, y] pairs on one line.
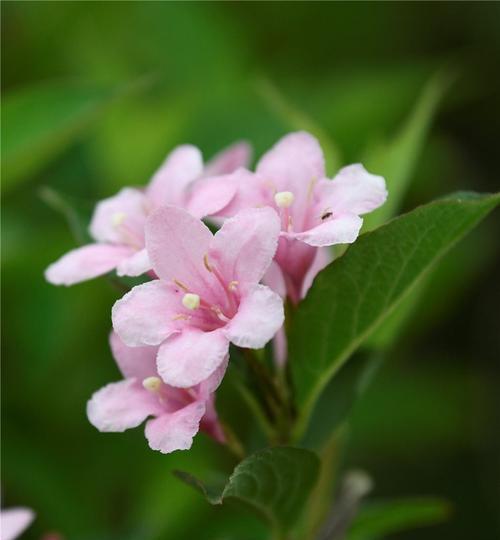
[[205, 313], [128, 234]]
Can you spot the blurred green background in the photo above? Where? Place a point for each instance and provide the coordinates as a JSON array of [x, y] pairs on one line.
[[94, 96]]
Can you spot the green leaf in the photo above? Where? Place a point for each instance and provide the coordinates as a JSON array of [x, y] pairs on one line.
[[274, 482], [358, 291], [339, 396], [376, 520], [42, 121], [395, 160], [299, 120]]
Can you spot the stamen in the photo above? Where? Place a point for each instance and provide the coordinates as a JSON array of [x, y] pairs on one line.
[[218, 311], [181, 317], [152, 384], [181, 285], [118, 218], [206, 263], [233, 285], [284, 199], [310, 188], [191, 301]]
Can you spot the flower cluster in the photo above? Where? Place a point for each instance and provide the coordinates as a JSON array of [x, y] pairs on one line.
[[172, 333]]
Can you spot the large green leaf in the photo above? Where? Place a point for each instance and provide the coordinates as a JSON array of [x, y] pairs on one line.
[[352, 296], [377, 520], [41, 121], [275, 482]]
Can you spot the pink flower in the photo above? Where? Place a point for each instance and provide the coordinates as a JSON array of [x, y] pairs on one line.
[[314, 211], [208, 293], [14, 521], [178, 413], [118, 222]]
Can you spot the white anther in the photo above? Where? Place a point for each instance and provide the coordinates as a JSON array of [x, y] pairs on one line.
[[152, 383], [191, 301], [118, 218], [284, 199]]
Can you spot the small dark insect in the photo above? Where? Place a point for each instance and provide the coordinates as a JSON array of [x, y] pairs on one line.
[[326, 215]]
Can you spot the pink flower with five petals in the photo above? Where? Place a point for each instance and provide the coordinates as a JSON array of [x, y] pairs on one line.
[[314, 211], [118, 222], [177, 413], [207, 295]]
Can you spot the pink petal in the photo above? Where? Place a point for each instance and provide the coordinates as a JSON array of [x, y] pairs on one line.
[[129, 205], [138, 362], [14, 521], [341, 230], [175, 431], [231, 158], [145, 315], [208, 196], [122, 405], [135, 265], [210, 422], [210, 385], [85, 263], [260, 315], [294, 164], [323, 258], [252, 191], [353, 190], [177, 243], [188, 358], [275, 280], [244, 247], [170, 182]]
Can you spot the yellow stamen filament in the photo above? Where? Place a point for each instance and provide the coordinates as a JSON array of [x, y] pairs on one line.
[[152, 384], [181, 285], [181, 317], [310, 188], [206, 263], [233, 285]]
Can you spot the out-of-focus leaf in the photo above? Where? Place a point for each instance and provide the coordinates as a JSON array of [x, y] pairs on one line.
[[351, 297], [274, 482], [396, 159], [40, 122], [298, 120], [76, 217], [377, 520]]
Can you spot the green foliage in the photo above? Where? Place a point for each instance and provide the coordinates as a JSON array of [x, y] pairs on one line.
[[296, 119], [275, 482], [351, 297], [378, 519], [396, 160], [42, 121]]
